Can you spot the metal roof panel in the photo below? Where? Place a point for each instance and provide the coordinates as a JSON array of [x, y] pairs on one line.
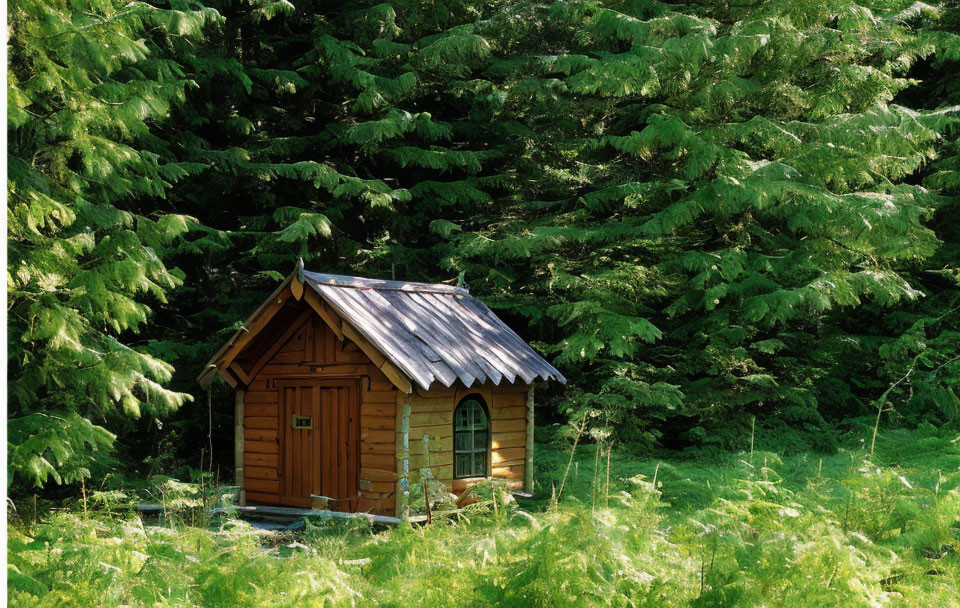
[[433, 333]]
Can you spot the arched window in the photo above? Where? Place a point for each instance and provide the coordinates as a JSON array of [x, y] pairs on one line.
[[471, 438]]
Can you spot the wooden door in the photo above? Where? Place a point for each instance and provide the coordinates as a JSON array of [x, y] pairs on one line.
[[320, 442]]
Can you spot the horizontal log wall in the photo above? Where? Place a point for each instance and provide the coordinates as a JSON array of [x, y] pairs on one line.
[[314, 351], [431, 414]]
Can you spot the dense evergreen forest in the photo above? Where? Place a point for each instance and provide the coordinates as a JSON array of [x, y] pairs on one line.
[[703, 213]]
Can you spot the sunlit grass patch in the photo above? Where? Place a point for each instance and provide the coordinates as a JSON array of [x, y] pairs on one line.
[[738, 530]]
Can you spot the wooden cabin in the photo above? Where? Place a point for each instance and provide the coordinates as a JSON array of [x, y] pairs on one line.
[[347, 388]]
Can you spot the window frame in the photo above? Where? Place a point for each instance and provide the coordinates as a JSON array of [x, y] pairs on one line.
[[487, 449]]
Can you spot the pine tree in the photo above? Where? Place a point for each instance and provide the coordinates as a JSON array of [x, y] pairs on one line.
[[87, 226]]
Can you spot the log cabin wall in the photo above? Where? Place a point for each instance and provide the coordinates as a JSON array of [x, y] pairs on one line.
[[312, 350], [352, 354], [431, 414]]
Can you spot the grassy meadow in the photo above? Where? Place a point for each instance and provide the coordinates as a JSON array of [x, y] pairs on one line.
[[680, 529]]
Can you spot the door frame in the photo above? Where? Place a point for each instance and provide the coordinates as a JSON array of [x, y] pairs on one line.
[[354, 382]]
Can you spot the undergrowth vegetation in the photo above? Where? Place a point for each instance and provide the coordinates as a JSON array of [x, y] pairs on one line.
[[697, 529]]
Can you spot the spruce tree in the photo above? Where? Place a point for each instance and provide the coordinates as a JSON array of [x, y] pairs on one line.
[[682, 205], [919, 353], [87, 226], [700, 212], [706, 188], [336, 132]]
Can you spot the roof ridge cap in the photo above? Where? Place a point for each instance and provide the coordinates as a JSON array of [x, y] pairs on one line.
[[348, 282]]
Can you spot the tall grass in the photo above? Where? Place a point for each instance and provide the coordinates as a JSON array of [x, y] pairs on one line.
[[697, 531]]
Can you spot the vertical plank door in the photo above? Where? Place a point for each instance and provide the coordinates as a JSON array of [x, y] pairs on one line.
[[320, 442]]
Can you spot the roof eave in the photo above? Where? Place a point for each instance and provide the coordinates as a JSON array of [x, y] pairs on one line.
[[211, 368], [297, 281]]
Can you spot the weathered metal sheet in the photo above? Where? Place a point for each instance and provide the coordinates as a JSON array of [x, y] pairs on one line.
[[433, 333]]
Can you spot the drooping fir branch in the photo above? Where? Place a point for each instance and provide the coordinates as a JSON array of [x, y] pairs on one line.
[[85, 257]]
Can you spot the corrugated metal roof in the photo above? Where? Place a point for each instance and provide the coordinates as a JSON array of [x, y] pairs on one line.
[[432, 332]]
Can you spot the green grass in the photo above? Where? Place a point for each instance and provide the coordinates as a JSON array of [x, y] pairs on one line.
[[719, 529]]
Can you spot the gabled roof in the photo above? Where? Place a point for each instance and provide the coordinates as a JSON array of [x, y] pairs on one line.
[[427, 332]]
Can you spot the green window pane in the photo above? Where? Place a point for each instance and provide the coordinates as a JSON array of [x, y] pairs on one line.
[[463, 465], [471, 440]]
